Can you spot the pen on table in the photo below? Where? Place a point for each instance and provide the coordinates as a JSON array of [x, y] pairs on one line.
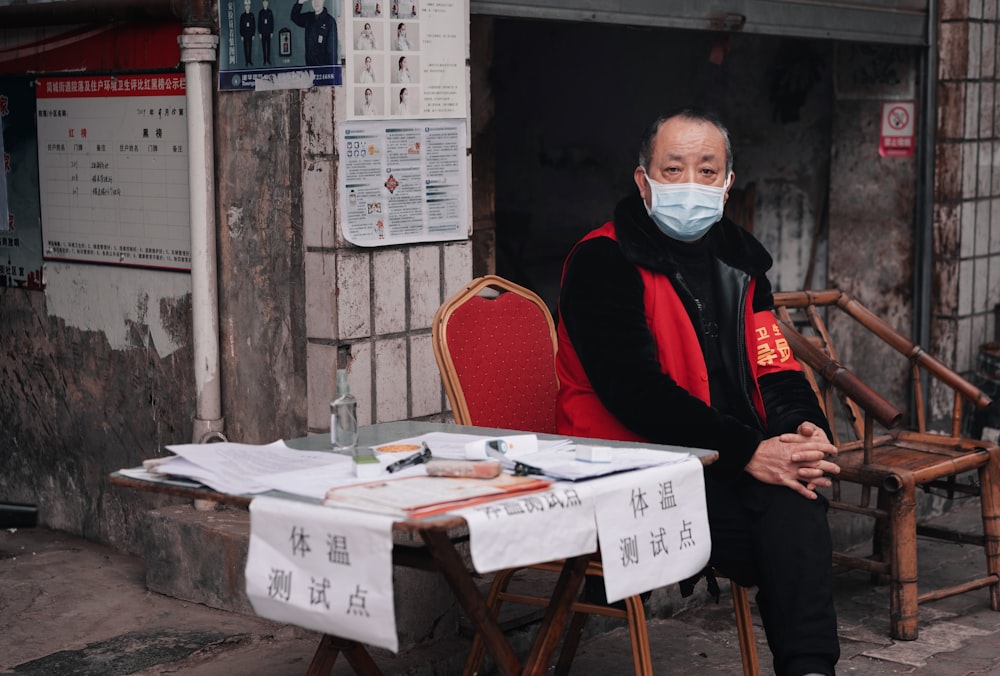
[[415, 459]]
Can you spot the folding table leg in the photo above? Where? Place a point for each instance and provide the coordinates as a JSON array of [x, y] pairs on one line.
[[455, 573], [328, 650], [556, 614]]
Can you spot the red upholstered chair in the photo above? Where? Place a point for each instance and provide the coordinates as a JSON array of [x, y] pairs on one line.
[[495, 345]]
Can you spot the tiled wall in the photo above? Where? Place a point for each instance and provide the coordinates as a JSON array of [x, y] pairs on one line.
[[367, 309], [967, 200]]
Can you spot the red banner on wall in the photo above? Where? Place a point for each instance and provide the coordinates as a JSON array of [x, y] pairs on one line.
[[113, 47]]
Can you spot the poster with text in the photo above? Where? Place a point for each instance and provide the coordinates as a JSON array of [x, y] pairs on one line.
[[405, 182], [406, 59], [20, 233], [280, 44], [113, 170]]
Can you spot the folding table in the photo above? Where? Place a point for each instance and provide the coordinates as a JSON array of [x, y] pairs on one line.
[[430, 544]]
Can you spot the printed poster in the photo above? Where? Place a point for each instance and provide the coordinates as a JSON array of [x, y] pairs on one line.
[[20, 232], [406, 59], [403, 183], [113, 170], [280, 44]]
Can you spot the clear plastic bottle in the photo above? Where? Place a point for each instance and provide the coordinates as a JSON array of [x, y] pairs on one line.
[[343, 416]]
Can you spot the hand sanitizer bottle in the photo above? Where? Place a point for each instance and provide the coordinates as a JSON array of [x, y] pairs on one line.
[[343, 416]]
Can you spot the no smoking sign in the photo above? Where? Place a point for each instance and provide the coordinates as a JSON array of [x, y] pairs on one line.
[[898, 136]]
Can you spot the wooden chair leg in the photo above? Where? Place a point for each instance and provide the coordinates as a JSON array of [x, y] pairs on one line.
[[989, 482], [744, 629], [639, 635], [903, 593], [477, 651]]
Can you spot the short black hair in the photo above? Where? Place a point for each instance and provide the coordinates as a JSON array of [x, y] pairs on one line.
[[688, 113]]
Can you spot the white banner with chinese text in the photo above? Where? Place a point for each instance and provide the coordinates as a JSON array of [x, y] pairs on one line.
[[328, 570], [652, 526], [529, 529]]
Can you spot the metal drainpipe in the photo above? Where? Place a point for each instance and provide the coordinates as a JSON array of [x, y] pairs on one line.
[[198, 53], [924, 245]]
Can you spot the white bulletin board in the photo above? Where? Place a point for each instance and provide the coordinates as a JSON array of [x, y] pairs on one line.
[[113, 170]]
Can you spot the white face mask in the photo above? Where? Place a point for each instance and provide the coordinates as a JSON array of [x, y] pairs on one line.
[[685, 211]]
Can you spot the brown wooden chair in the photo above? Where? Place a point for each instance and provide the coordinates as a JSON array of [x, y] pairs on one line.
[[899, 458], [495, 345]]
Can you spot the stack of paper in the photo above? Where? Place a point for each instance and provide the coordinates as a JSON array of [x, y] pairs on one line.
[[239, 469]]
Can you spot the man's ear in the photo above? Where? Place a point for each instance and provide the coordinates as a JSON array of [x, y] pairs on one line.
[[729, 185], [639, 176]]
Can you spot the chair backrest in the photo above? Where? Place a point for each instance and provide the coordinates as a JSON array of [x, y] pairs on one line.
[[495, 345], [801, 314]]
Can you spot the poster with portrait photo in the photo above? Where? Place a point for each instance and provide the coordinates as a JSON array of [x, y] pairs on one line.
[[371, 102], [407, 45], [280, 44], [403, 10]]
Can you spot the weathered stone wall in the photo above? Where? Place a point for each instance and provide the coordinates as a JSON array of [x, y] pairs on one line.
[[74, 408]]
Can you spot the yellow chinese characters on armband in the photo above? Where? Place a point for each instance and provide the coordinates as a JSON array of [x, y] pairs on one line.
[[772, 347]]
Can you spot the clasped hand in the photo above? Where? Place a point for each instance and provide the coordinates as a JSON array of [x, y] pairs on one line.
[[797, 460]]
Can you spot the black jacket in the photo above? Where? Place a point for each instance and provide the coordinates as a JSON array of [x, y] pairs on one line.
[[601, 306]]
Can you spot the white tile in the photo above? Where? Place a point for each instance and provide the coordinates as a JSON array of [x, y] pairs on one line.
[[389, 292], [321, 295], [317, 203], [967, 243], [359, 378], [970, 158], [425, 378], [320, 371], [390, 379], [985, 168], [425, 285], [965, 284], [982, 227], [457, 267], [995, 225], [985, 110], [972, 110], [974, 71], [353, 296], [989, 50], [980, 285]]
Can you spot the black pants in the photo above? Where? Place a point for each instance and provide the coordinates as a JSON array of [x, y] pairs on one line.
[[773, 538]]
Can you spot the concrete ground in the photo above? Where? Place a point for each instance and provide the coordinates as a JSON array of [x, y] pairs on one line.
[[68, 606]]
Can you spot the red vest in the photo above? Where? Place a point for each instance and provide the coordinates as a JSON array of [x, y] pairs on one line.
[[580, 413]]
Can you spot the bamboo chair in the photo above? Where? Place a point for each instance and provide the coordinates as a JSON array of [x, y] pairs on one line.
[[495, 345], [896, 462]]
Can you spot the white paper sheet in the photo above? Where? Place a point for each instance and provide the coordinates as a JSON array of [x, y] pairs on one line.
[[532, 528], [324, 569], [240, 469], [652, 525]]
